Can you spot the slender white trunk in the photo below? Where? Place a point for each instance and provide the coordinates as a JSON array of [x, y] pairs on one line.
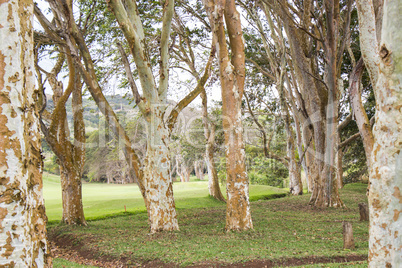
[[22, 213]]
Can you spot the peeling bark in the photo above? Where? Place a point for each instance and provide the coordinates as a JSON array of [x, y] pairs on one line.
[[23, 241], [158, 186], [232, 75], [385, 66], [71, 155]]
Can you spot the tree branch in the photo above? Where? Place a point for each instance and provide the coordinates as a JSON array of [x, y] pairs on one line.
[[168, 11], [129, 74], [193, 94]]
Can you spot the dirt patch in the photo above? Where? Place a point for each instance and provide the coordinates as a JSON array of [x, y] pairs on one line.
[[70, 248]]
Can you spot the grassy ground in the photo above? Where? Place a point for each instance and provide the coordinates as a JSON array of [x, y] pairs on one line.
[[359, 264], [100, 199], [60, 263], [283, 228]]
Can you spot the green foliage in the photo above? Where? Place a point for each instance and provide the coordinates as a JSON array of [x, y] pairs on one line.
[[267, 171], [51, 165]]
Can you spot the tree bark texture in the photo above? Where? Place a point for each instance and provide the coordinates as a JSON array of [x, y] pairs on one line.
[[385, 67], [232, 75], [71, 155], [23, 241], [158, 185]]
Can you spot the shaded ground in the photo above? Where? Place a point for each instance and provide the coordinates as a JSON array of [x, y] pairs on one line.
[[64, 247], [287, 232]]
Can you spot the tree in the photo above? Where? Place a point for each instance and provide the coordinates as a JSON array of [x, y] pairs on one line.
[[382, 54], [232, 75], [153, 173], [184, 52], [23, 240], [71, 155], [316, 52], [278, 72]]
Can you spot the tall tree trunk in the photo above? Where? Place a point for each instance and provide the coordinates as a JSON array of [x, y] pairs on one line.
[[73, 211], [71, 155], [361, 118], [23, 240], [209, 133], [385, 69], [328, 194], [199, 169], [158, 186], [339, 167], [232, 75], [213, 179], [295, 183], [309, 166]]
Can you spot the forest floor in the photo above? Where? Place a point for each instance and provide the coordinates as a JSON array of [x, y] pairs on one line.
[[287, 232]]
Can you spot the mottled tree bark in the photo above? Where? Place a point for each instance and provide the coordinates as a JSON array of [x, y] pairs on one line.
[[385, 68], [23, 240], [71, 155], [158, 186], [232, 75]]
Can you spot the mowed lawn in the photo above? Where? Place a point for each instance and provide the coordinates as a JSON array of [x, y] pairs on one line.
[[285, 230], [101, 200]]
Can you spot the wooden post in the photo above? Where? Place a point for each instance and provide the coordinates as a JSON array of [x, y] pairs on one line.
[[364, 213], [348, 241]]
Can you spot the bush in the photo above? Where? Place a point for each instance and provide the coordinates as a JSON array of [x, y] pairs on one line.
[[265, 179]]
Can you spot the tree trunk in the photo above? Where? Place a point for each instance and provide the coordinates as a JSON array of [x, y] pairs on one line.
[[385, 68], [73, 211], [339, 168], [71, 155], [232, 75], [213, 180], [361, 118], [199, 169], [308, 157], [328, 194], [295, 183], [158, 186], [23, 240], [385, 199]]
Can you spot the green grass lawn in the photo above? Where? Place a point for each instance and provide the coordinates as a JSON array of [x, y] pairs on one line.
[[283, 228], [61, 263], [100, 199]]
